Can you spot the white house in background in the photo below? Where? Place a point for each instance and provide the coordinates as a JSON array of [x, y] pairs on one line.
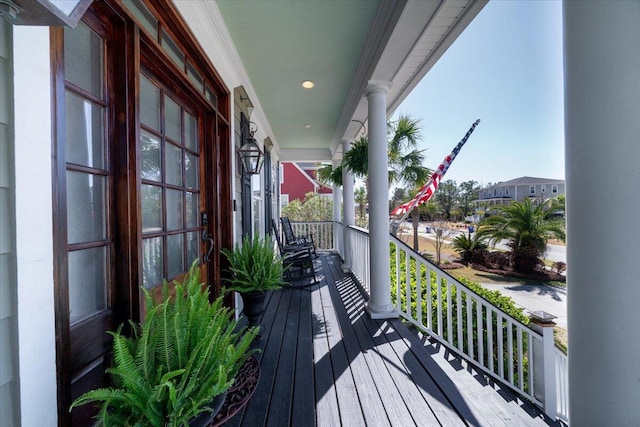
[[519, 189]]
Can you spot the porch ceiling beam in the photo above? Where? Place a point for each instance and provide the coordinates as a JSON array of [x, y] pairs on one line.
[[306, 155]]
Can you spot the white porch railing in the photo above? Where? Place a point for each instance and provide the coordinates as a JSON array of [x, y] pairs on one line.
[[562, 384], [459, 318], [452, 313], [338, 238], [322, 233], [359, 250]]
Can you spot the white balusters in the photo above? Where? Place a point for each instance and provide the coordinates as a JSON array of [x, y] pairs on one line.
[[449, 316]]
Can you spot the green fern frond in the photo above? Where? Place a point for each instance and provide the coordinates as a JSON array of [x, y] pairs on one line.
[[186, 351]]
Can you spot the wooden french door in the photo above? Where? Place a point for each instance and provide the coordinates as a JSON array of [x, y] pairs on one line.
[[142, 179], [176, 218], [86, 206]]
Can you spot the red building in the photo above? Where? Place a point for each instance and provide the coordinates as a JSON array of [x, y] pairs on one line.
[[298, 179]]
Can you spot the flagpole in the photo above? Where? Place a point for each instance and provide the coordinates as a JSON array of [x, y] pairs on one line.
[[438, 173]]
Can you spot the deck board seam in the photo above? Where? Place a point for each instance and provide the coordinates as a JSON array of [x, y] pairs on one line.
[[363, 377], [351, 411]]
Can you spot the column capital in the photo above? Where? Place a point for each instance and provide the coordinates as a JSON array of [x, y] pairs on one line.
[[346, 145], [378, 86]]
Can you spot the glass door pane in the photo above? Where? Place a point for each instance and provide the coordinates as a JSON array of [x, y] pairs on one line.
[[88, 173], [170, 189]]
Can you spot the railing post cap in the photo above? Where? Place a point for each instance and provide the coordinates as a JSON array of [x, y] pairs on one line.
[[542, 318]]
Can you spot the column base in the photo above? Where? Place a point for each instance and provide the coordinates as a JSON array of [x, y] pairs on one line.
[[377, 312]]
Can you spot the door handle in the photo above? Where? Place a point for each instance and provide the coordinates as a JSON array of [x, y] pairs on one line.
[[206, 236]]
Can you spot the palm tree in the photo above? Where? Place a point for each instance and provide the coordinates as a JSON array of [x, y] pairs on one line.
[[527, 228], [360, 196], [405, 166], [466, 245], [405, 161], [326, 174]]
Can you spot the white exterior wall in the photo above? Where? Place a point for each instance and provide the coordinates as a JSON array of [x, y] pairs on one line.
[[9, 412], [34, 232]]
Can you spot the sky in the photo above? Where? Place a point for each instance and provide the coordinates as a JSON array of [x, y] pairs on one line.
[[506, 70]]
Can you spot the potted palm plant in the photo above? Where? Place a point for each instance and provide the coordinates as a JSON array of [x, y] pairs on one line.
[[254, 270], [178, 365]]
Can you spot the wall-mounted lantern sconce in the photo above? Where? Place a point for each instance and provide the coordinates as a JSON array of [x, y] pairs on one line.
[[52, 13], [250, 151]]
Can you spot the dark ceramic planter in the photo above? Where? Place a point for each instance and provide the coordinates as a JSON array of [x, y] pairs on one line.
[[253, 306], [206, 418]]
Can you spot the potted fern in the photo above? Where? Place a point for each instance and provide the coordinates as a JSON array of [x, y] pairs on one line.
[[254, 270], [178, 365]]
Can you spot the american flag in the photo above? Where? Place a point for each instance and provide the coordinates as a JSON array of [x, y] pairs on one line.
[[430, 187]]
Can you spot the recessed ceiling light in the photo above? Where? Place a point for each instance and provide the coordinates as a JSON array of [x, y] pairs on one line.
[[308, 84], [307, 126]]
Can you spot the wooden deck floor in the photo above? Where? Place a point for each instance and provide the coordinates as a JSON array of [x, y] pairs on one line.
[[325, 363]]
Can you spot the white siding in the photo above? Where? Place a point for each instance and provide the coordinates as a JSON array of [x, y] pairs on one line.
[[8, 347]]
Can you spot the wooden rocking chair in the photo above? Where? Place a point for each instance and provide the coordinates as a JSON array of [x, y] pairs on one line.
[[297, 259], [291, 239]]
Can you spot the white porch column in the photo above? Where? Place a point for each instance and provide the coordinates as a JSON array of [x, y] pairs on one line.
[[348, 207], [602, 131], [379, 305], [337, 211]]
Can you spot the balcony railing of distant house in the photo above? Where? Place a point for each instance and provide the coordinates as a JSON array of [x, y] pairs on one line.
[[518, 356]]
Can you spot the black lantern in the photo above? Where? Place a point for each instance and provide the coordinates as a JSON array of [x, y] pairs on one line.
[[251, 153]]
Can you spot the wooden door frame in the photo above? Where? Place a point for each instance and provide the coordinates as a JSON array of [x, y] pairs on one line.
[[121, 297], [123, 128]]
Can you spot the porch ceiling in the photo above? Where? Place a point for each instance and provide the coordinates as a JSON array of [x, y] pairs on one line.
[[340, 45]]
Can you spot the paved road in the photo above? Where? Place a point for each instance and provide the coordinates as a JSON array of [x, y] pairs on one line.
[[536, 297], [554, 252]]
